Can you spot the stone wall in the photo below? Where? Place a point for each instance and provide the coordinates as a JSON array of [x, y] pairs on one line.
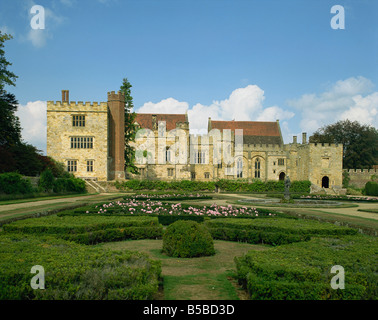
[[60, 130], [359, 177]]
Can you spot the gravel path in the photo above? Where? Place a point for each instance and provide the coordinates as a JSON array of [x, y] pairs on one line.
[[4, 209]]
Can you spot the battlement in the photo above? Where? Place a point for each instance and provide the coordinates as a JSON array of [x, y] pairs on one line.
[[76, 106], [320, 145], [119, 96], [263, 146], [362, 171]]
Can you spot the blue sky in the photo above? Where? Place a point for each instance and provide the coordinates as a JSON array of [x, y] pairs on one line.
[[224, 59]]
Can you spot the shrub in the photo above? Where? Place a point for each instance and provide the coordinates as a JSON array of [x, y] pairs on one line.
[[46, 181], [13, 183], [166, 220], [223, 184], [187, 239], [371, 188]]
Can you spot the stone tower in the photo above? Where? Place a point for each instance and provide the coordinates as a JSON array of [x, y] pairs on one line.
[[116, 107]]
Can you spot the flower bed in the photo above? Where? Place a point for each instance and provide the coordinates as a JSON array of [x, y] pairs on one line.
[[342, 198], [168, 196], [139, 207]]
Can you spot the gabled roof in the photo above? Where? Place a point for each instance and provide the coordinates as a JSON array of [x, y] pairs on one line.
[[145, 120], [253, 131]]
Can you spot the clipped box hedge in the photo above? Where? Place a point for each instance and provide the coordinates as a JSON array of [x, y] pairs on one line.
[[187, 239], [73, 271], [281, 225], [117, 234], [302, 270], [79, 224]]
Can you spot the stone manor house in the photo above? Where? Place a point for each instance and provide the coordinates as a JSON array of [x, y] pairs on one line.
[[89, 139]]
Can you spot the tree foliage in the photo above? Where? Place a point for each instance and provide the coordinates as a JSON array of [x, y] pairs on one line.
[[130, 130], [16, 155], [360, 142], [10, 129]]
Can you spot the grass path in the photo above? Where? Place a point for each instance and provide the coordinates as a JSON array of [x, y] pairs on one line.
[[204, 278]]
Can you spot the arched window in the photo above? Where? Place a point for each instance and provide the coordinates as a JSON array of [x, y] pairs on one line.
[[167, 155], [239, 168], [257, 168]]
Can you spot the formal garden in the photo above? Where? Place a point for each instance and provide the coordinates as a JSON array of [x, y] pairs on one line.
[[182, 245]]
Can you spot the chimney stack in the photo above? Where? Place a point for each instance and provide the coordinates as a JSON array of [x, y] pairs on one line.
[[65, 96], [304, 138]]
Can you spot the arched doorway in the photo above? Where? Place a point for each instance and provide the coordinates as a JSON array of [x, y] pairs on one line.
[[282, 176], [325, 182]]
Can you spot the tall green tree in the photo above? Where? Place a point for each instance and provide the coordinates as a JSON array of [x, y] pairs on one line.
[[15, 155], [10, 128], [360, 142], [130, 130]]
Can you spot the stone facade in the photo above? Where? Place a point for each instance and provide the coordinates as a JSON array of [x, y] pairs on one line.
[[165, 150], [81, 136], [263, 155]]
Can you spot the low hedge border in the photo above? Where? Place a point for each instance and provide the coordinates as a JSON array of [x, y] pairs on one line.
[[78, 226], [256, 236], [302, 270], [117, 234], [73, 271]]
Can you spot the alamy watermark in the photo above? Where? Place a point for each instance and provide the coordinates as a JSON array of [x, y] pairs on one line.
[[338, 281], [177, 147], [38, 20], [338, 20], [38, 281]]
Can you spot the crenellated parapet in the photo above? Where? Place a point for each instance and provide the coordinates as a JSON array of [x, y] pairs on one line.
[[323, 144], [361, 171], [116, 96], [78, 106]]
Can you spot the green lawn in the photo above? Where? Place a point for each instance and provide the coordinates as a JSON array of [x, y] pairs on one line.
[[195, 278]]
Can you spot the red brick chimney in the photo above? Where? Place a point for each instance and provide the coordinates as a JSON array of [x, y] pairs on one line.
[[65, 96]]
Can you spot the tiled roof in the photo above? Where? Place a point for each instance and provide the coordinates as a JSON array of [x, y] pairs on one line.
[[145, 120], [253, 131], [250, 128]]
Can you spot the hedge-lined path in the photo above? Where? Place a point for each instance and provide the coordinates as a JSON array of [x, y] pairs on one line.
[[204, 278]]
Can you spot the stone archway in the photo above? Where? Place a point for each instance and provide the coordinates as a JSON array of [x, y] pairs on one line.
[[281, 177], [325, 182]]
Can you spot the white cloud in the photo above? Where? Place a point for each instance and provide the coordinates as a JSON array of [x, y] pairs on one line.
[[343, 100], [33, 122], [38, 37], [365, 110], [243, 104], [169, 105]]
